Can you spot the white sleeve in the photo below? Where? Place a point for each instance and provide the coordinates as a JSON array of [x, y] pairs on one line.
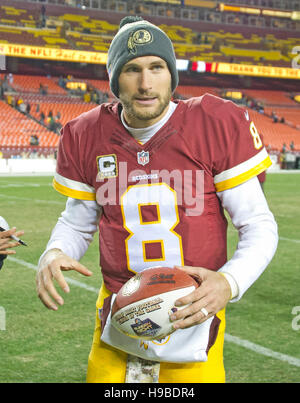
[[258, 237], [75, 228]]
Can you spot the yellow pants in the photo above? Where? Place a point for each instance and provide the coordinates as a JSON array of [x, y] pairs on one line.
[[108, 365]]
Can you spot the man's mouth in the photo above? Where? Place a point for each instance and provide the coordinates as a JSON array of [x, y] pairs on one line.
[[146, 101]]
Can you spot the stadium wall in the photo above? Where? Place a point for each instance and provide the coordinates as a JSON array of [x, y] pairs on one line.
[[20, 166], [37, 166]]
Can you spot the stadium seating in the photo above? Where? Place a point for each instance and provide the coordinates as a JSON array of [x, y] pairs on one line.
[[68, 111], [17, 128], [291, 116], [275, 134], [281, 105], [101, 85], [22, 83], [188, 91], [270, 97], [93, 30]]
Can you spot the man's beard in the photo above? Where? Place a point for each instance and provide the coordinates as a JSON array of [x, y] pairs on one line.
[[144, 114]]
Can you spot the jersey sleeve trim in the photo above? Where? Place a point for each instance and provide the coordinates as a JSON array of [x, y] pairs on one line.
[[241, 173], [74, 189]]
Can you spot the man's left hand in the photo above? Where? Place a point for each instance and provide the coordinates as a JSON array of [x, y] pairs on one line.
[[213, 294]]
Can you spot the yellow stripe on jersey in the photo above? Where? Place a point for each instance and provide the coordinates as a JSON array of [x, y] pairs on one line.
[[74, 193], [242, 172]]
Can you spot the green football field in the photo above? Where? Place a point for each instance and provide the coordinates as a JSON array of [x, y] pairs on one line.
[[37, 345]]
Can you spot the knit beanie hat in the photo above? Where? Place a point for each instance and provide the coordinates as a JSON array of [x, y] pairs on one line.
[[135, 38]]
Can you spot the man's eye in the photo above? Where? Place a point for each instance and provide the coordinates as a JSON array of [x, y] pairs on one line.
[[131, 69]]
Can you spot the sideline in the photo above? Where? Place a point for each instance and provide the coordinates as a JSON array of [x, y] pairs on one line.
[[229, 338]]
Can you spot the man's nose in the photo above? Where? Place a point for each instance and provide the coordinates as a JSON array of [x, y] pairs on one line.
[[145, 82]]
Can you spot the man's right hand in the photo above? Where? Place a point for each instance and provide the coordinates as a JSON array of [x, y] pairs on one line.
[[50, 267]]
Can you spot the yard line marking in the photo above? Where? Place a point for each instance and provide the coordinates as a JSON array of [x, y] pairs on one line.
[[262, 350], [229, 338], [281, 238], [33, 200], [8, 184], [69, 280]]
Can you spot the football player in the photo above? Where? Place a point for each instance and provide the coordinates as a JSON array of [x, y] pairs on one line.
[[155, 177]]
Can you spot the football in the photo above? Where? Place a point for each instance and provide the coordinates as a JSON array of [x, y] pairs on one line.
[[142, 306]]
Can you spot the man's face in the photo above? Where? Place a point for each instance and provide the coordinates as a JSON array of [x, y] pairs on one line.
[[145, 90]]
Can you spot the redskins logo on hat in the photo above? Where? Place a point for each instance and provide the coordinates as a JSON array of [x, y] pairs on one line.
[[139, 37]]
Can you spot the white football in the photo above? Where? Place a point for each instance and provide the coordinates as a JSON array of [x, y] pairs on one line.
[[142, 306]]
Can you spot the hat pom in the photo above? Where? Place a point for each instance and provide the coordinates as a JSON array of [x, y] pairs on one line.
[[129, 20]]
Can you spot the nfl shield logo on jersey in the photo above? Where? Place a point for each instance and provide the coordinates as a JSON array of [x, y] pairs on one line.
[[143, 157]]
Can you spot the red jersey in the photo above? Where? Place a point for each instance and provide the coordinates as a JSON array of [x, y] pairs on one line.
[[159, 201]]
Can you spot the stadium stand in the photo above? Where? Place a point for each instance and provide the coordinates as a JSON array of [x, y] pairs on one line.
[[291, 116], [205, 35], [188, 91], [65, 110], [256, 101], [17, 128], [221, 40], [271, 97], [101, 85], [275, 134], [36, 84], [43, 96], [280, 108]]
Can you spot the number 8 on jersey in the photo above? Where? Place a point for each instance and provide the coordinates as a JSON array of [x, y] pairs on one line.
[[159, 231]]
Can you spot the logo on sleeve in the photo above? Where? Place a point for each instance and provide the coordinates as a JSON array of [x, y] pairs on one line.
[[107, 166]]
